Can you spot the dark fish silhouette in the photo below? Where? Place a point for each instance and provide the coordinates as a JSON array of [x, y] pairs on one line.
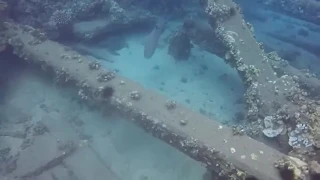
[[151, 41]]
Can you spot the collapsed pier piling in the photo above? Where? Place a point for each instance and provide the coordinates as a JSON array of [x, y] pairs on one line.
[[203, 139]]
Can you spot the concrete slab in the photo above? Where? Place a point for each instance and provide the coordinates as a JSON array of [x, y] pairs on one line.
[[57, 173], [43, 150], [61, 173], [100, 145], [45, 176], [86, 165], [60, 128], [44, 159]]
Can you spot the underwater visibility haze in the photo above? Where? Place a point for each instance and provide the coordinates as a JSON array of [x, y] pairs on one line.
[[159, 89]]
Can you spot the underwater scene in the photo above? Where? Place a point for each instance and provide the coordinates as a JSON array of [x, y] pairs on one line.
[[159, 89]]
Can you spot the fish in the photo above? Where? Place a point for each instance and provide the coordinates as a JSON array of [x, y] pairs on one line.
[[151, 41]]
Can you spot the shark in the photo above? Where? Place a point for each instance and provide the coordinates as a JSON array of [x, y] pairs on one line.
[[151, 41]]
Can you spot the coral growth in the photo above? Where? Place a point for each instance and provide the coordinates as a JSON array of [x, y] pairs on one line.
[[52, 15], [180, 46], [61, 17], [219, 12]]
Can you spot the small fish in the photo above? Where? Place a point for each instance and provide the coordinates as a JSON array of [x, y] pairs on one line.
[[151, 41]]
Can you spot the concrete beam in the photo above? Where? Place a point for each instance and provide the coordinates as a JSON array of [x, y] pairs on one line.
[[203, 139], [265, 91], [203, 35]]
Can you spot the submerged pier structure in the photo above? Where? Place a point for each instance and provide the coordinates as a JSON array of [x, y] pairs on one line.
[[203, 139], [225, 155]]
